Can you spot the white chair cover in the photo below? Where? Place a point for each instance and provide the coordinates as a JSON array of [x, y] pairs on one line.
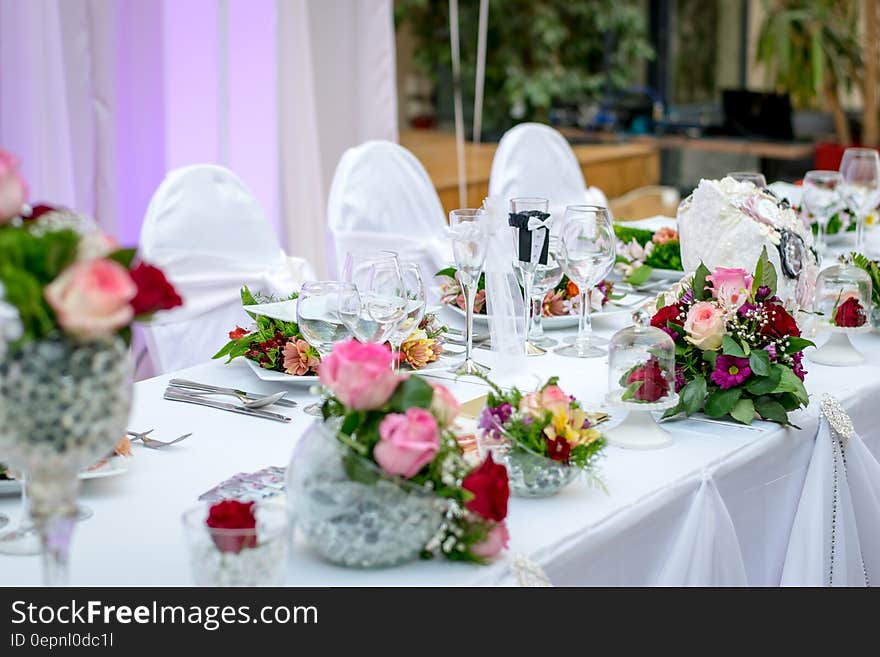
[[382, 198], [206, 231], [534, 159], [835, 539]]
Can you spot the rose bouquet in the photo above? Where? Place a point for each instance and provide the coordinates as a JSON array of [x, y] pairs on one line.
[[738, 351], [397, 476], [562, 300], [546, 437], [640, 251]]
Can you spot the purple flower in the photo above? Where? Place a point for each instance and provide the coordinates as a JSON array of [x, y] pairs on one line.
[[672, 334], [687, 298], [771, 351], [586, 424], [730, 371], [797, 366], [679, 378], [746, 309], [492, 419], [762, 293]]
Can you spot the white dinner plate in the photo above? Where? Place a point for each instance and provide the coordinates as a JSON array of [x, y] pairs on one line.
[[272, 376], [112, 467]]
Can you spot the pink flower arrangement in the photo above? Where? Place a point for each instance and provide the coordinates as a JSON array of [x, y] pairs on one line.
[[13, 189], [300, 358], [664, 235], [444, 405], [360, 375], [408, 442]]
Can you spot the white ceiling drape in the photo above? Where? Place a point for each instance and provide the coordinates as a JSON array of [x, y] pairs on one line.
[[99, 99]]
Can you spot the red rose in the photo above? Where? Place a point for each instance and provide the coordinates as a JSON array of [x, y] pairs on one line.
[[558, 449], [667, 314], [233, 515], [779, 323], [654, 385], [38, 211], [154, 292], [489, 485], [850, 314], [238, 333]]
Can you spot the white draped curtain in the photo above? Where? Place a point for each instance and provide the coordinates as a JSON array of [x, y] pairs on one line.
[[100, 98]]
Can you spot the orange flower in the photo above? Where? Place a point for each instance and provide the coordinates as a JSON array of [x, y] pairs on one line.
[[299, 357], [571, 289]]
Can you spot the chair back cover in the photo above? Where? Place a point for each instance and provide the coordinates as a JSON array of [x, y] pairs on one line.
[[206, 231], [382, 198], [534, 159]]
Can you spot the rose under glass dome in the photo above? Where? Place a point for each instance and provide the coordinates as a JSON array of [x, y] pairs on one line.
[[641, 379], [843, 306]]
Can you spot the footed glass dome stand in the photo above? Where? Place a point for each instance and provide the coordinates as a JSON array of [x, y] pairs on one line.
[[639, 430], [838, 350]]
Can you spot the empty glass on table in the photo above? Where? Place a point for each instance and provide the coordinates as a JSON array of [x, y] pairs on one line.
[[821, 201], [860, 170], [469, 250], [547, 277], [318, 316], [376, 275], [414, 308], [588, 251], [757, 179], [530, 231]]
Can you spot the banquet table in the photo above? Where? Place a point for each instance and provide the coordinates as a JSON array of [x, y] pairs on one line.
[[715, 507]]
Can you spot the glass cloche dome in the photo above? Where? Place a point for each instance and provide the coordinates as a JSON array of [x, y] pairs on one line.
[[843, 297], [641, 365], [641, 379]]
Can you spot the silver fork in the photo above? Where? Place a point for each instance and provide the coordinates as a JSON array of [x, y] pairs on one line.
[[152, 443]]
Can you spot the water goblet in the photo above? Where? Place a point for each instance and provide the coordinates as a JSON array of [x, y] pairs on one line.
[[860, 170], [469, 250], [757, 179], [588, 252], [365, 270], [414, 310], [821, 201], [547, 277]]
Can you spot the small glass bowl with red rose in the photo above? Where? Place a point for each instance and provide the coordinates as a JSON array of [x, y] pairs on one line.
[[843, 305], [641, 379], [235, 543]]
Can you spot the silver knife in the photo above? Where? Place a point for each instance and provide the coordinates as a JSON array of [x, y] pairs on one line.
[[223, 406], [205, 387]]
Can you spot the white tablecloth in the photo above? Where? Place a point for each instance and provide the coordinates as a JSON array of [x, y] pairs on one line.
[[714, 508]]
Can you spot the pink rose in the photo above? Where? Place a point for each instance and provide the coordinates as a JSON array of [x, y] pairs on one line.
[[496, 541], [551, 398], [731, 287], [91, 298], [704, 325], [444, 405], [407, 442], [664, 235], [13, 189], [359, 375]]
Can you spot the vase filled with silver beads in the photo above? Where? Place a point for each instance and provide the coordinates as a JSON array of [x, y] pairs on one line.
[[350, 512], [64, 404]]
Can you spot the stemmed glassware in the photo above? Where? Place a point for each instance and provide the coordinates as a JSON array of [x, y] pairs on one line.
[[547, 277], [318, 316], [588, 252], [860, 170], [821, 200], [376, 275], [25, 539], [757, 179], [469, 250], [414, 310], [530, 231]]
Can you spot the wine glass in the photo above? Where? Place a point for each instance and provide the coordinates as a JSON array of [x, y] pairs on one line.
[[588, 252], [821, 199], [530, 231], [469, 250], [317, 313], [414, 313], [757, 179], [25, 539], [380, 308], [860, 170], [547, 277]]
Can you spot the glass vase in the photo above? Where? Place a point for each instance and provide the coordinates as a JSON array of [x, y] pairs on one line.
[[350, 512], [63, 406], [534, 475]]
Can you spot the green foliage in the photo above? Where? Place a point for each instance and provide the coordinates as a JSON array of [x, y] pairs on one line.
[[541, 54], [731, 347], [450, 272], [666, 256], [721, 402], [639, 276], [872, 267], [627, 234], [699, 284], [743, 411]]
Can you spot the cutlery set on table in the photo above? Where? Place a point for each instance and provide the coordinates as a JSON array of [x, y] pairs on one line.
[[249, 403]]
